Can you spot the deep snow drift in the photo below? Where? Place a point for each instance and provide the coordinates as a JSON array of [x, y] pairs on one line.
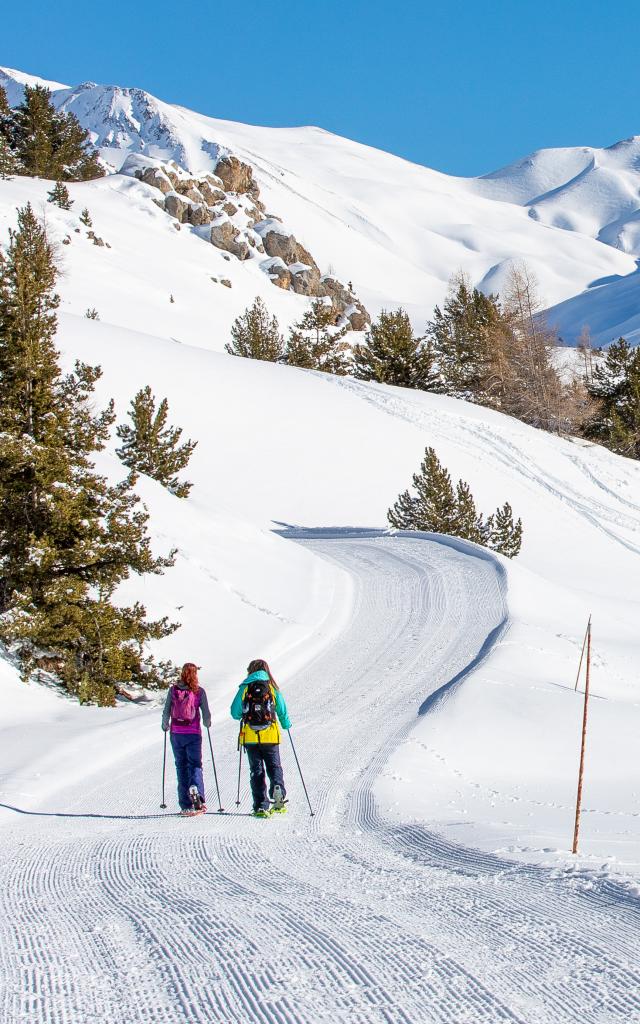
[[399, 230]]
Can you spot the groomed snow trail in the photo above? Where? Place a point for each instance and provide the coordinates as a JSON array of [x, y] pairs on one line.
[[341, 917]]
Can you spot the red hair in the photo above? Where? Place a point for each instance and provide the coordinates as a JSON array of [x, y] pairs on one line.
[[189, 676]]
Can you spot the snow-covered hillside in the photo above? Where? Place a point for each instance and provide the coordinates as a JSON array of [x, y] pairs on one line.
[[430, 683], [398, 230]]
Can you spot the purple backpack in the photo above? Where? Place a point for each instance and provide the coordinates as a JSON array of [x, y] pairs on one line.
[[184, 706]]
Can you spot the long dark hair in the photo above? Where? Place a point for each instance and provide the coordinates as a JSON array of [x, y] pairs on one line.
[[260, 665], [189, 676]]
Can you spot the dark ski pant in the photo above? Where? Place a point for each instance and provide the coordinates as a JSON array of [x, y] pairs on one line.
[[261, 756], [187, 751]]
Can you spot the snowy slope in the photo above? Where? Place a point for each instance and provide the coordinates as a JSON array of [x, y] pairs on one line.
[[135, 915], [398, 230], [279, 445], [430, 686]]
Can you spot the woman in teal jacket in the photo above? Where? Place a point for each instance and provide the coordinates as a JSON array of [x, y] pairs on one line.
[[261, 709]]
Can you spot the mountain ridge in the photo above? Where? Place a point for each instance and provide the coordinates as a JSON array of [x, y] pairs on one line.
[[400, 230]]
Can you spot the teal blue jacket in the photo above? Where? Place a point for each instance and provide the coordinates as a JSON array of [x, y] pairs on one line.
[[281, 705]]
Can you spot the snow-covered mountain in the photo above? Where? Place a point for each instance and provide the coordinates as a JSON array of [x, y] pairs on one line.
[[397, 230], [430, 683]]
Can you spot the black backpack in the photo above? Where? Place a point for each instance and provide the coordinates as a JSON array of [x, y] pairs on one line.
[[258, 706]]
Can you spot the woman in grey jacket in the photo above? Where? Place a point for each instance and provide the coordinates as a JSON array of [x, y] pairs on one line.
[[186, 703]]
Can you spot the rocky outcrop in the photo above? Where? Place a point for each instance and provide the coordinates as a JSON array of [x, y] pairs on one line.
[[199, 214], [157, 178], [236, 176], [224, 235], [279, 273], [232, 192], [210, 193], [357, 316], [176, 206], [277, 243], [190, 190], [335, 290], [305, 280]]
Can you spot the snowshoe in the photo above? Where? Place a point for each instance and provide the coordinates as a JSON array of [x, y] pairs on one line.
[[262, 812], [278, 802], [196, 800]]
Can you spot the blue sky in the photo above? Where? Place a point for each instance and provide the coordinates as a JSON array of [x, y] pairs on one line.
[[460, 86]]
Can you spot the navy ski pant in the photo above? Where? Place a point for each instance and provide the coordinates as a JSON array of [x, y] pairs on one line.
[[261, 756], [187, 751]]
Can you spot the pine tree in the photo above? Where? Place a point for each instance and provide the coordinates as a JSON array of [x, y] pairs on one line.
[[435, 507], [5, 109], [59, 195], [465, 334], [616, 387], [92, 314], [50, 143], [469, 524], [315, 342], [392, 355], [68, 539], [152, 447], [256, 335], [85, 218], [504, 535], [8, 162]]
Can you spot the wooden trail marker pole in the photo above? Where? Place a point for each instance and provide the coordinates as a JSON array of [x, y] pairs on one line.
[[584, 643], [576, 829]]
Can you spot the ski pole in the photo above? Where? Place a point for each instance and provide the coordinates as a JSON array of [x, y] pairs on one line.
[[215, 774], [300, 770], [239, 770], [164, 765]]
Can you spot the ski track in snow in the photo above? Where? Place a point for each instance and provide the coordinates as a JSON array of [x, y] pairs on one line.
[[340, 917]]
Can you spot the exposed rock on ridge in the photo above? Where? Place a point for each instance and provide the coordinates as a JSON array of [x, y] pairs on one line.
[[229, 201]]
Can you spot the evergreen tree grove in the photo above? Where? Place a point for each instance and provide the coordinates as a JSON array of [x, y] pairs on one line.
[[392, 355], [435, 507], [67, 537], [256, 335], [48, 143], [152, 447]]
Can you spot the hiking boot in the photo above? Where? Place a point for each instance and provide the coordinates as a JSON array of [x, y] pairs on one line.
[[196, 799]]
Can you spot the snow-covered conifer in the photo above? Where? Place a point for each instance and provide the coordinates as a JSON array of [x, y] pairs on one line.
[[50, 143], [392, 354], [59, 196], [152, 447], [256, 335], [436, 508], [505, 536], [67, 537], [316, 342]]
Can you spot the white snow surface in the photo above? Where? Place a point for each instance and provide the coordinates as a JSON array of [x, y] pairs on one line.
[[431, 687], [399, 230]]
